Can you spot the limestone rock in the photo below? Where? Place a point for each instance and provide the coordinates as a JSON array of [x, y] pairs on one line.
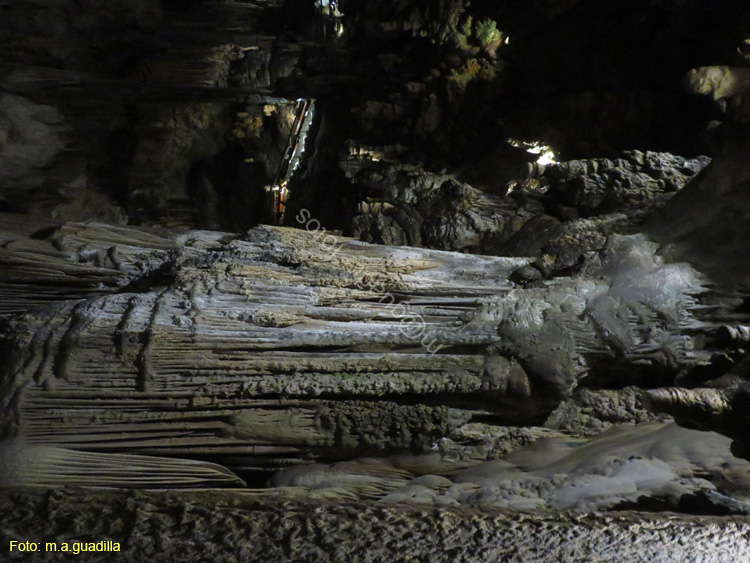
[[660, 464], [285, 345], [599, 186], [704, 223], [719, 81], [409, 206], [162, 525]]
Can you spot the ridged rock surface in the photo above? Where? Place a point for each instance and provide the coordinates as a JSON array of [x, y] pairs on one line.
[[285, 345]]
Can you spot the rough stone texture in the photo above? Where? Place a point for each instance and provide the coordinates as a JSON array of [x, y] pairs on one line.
[[282, 319], [629, 182], [705, 222], [477, 441], [723, 411], [168, 527], [31, 138], [135, 85], [590, 412], [139, 115], [650, 465], [719, 81], [409, 206], [588, 201], [206, 164], [558, 214], [285, 345], [159, 357]]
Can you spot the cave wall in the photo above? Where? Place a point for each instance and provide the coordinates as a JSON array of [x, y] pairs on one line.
[[547, 201], [122, 118]]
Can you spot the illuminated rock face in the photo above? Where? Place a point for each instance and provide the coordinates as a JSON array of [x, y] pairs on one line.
[[283, 345], [719, 81], [533, 281]]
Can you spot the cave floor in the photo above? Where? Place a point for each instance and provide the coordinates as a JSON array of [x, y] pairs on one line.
[[241, 525]]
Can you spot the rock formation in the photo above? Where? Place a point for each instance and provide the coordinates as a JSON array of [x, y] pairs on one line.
[[488, 299]]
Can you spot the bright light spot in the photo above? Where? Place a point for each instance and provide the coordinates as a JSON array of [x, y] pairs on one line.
[[507, 40], [545, 152], [547, 157]]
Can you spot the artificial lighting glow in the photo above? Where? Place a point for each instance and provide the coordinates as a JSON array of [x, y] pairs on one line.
[[547, 157], [507, 40], [545, 152]]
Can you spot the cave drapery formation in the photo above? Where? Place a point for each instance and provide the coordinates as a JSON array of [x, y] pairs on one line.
[[399, 280]]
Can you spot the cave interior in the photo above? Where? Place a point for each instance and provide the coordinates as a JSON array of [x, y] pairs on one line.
[[405, 280]]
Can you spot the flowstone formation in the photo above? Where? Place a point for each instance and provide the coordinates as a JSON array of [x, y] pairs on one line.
[[371, 281]]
